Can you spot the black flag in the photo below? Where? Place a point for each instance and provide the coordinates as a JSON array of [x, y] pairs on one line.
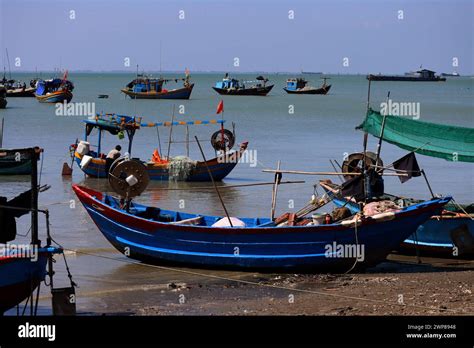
[[409, 164]]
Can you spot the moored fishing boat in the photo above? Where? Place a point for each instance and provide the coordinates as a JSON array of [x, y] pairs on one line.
[[54, 90], [451, 230], [17, 161], [145, 87], [300, 86], [18, 88], [24, 266], [231, 86], [158, 235], [94, 163]]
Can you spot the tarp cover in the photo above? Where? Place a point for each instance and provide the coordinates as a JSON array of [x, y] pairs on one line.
[[453, 143]]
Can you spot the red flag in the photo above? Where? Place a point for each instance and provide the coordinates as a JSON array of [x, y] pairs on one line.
[[220, 107]]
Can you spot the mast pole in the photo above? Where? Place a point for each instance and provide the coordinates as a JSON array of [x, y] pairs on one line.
[[1, 132], [275, 191], [379, 145], [213, 182], [34, 196]]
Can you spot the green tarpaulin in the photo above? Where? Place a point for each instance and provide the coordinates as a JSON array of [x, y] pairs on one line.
[[453, 143]]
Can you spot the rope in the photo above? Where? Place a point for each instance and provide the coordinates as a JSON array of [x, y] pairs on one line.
[[357, 245], [460, 207], [313, 292]]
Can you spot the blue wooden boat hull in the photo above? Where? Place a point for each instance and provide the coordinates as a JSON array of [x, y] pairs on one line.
[[219, 170], [19, 277], [434, 236], [55, 97], [260, 246]]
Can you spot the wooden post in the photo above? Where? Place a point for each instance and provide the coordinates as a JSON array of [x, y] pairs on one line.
[[213, 182], [275, 191]]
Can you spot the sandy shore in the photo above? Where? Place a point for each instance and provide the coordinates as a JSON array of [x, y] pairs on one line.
[[397, 287]]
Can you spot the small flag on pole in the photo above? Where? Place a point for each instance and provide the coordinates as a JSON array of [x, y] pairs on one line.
[[186, 71], [409, 164], [220, 107]]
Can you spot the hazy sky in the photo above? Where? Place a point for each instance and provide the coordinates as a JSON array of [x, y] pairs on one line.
[[370, 34]]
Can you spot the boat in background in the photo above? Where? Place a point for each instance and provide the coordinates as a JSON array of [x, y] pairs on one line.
[[18, 88], [423, 75], [453, 74], [300, 86], [145, 87], [54, 90], [181, 168], [156, 235], [17, 161], [231, 86], [3, 98]]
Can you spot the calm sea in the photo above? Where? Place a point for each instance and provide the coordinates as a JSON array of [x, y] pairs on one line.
[[320, 128]]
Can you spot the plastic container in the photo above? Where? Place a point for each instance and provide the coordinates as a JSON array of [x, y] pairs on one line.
[[83, 148]]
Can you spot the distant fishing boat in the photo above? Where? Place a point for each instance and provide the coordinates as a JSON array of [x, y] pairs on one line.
[[453, 74], [231, 86], [17, 88], [94, 164], [300, 86], [145, 87], [16, 161], [3, 98], [157, 235], [423, 75], [54, 90]]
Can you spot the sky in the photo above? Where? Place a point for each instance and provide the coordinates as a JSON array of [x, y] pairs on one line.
[[366, 36]]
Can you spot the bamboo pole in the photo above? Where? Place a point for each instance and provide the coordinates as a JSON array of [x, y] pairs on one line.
[[213, 182], [275, 191], [320, 173], [227, 186]]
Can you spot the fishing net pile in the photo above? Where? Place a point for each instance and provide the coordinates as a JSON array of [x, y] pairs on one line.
[[181, 167]]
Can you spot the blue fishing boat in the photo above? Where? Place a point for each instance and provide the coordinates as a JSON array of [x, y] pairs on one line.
[[20, 275], [145, 87], [94, 163], [231, 86], [54, 90], [158, 235], [24, 266], [300, 86], [443, 233]]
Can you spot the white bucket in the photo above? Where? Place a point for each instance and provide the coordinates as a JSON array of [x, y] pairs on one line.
[[86, 160], [83, 148]]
